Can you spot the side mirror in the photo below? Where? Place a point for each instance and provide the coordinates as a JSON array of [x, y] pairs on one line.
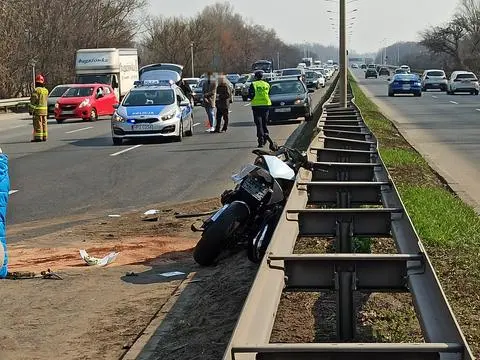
[[311, 90], [115, 106]]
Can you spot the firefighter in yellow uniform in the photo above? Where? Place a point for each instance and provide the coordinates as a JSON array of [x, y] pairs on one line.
[[39, 110]]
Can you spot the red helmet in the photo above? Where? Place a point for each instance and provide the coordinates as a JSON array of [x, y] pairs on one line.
[[39, 79]]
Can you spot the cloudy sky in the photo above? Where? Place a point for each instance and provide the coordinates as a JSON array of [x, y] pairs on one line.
[[308, 20]]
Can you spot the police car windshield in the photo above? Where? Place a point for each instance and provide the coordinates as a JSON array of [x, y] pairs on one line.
[[149, 97], [79, 92], [286, 87]]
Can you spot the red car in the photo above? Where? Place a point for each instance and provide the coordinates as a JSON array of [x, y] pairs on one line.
[[85, 101]]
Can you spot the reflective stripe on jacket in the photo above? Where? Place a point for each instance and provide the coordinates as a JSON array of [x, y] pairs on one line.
[[261, 89], [39, 101]]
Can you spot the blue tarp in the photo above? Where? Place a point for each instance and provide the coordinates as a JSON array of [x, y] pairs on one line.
[[4, 189]]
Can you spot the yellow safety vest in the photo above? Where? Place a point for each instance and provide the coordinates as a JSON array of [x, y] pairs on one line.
[[261, 98], [39, 101]]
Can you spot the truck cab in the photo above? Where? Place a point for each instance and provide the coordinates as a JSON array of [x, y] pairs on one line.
[[115, 67]]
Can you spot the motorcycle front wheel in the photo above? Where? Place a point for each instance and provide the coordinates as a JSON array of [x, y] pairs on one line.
[[218, 232], [259, 243]]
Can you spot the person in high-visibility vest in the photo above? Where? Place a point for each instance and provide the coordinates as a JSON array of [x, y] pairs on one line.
[[259, 93], [39, 110]]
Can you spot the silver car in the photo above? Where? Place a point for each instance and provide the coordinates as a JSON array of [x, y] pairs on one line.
[[153, 109], [434, 79], [54, 95]]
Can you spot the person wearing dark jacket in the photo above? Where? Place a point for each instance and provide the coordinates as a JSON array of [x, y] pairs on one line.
[[259, 93], [187, 91], [224, 97]]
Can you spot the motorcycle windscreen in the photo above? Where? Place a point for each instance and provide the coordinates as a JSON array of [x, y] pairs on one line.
[[278, 169], [247, 169]]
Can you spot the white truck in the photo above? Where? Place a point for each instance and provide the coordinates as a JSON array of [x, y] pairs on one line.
[[115, 67]]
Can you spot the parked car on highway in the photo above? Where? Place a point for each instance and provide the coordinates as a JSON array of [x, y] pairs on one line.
[[295, 72], [192, 82], [153, 109], [321, 78], [463, 81], [434, 79], [290, 100], [85, 101], [384, 71], [363, 66], [371, 72], [405, 84], [54, 95], [240, 84]]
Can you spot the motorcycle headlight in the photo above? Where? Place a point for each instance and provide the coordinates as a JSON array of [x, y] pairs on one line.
[[118, 118], [169, 115], [85, 102]]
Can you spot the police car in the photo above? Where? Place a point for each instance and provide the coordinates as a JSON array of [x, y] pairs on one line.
[[153, 108]]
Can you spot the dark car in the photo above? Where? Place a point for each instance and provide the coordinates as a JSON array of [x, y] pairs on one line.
[[311, 80], [290, 100], [405, 84], [384, 71], [371, 72], [197, 93], [363, 66]]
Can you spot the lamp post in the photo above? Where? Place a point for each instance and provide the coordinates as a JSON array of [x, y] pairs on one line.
[[191, 51], [33, 62], [343, 55]]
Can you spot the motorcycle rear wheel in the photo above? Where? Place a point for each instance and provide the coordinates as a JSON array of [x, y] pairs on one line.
[[216, 235]]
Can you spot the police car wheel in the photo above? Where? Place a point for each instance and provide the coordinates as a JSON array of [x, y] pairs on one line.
[[180, 132]]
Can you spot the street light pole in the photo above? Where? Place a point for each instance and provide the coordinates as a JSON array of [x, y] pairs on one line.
[[191, 51], [343, 55], [278, 60]]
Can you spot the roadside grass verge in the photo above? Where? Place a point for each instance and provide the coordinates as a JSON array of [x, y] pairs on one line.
[[449, 228]]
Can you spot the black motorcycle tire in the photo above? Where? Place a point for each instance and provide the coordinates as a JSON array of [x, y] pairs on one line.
[[271, 221], [217, 234]]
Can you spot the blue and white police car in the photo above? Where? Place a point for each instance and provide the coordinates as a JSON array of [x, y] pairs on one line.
[[153, 108]]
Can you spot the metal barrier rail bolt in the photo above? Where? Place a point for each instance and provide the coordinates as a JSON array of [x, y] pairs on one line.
[[355, 196]]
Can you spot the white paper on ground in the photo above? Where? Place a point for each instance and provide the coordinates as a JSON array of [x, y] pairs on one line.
[[93, 261], [151, 212], [113, 215], [172, 273]]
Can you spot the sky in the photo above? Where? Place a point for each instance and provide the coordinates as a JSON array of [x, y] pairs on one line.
[[377, 22]]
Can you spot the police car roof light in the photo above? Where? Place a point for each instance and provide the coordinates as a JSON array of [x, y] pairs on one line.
[[153, 83]]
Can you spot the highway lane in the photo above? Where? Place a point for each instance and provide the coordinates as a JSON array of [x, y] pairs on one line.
[[444, 128], [79, 171]]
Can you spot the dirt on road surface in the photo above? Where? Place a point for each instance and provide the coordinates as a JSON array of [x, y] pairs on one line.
[[97, 313]]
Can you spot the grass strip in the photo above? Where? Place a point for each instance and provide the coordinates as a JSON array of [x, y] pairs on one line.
[[449, 228]]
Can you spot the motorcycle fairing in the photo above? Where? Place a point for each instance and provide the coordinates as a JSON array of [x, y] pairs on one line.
[[278, 169]]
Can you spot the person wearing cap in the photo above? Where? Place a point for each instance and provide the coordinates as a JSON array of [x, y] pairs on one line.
[[39, 110], [259, 93]]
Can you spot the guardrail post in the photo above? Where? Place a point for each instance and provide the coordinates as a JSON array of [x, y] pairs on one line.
[[345, 281]]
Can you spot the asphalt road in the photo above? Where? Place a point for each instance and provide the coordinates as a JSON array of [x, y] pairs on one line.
[[444, 128], [79, 171]]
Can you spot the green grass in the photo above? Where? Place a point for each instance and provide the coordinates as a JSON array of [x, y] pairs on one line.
[[449, 228]]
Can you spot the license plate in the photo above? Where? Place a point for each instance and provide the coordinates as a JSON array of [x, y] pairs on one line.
[[284, 110], [406, 87], [144, 127], [67, 112]]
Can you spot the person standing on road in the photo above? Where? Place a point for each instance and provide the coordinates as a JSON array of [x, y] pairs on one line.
[[209, 90], [39, 110], [259, 93], [223, 104]]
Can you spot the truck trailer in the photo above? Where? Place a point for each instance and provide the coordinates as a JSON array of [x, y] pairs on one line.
[[112, 66]]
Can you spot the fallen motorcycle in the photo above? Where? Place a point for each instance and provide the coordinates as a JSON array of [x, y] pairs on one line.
[[251, 211]]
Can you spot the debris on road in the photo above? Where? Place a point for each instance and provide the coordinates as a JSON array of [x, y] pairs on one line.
[[172, 273], [49, 274], [93, 261], [151, 215], [114, 216]]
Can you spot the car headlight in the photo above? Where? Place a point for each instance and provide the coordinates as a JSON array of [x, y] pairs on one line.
[[169, 115], [299, 101], [118, 118], [419, 84], [85, 102]]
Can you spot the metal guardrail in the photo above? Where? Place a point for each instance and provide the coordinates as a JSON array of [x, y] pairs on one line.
[[355, 176], [13, 103]]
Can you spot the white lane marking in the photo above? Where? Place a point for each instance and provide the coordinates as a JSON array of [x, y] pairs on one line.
[[82, 129], [12, 192], [454, 102], [248, 104], [125, 150], [196, 124], [435, 97]]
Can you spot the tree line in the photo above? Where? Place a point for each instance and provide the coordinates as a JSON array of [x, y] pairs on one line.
[[47, 33]]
